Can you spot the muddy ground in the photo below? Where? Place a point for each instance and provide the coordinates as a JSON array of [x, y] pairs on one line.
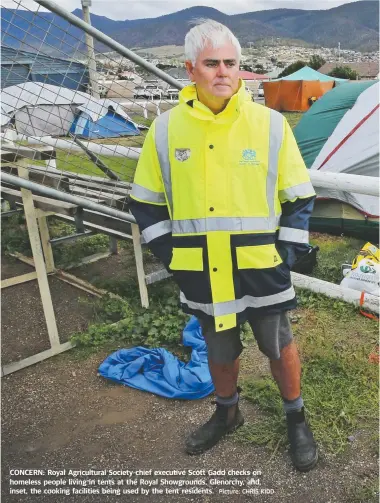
[[59, 414]]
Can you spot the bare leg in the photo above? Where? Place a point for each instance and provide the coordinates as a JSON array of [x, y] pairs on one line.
[[287, 372], [225, 376]]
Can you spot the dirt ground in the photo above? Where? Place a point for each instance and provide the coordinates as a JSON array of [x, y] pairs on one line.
[[59, 414]]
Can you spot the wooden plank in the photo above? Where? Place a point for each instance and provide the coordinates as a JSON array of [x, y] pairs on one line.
[[109, 231], [140, 265], [64, 182], [84, 285], [39, 357], [46, 245], [43, 203], [89, 259], [39, 264], [56, 181], [16, 280], [6, 156], [113, 248], [41, 153], [81, 176], [114, 200], [23, 258]]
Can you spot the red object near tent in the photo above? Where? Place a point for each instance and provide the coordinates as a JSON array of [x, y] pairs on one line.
[[252, 76]]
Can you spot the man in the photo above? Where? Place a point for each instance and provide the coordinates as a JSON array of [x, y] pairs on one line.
[[223, 198]]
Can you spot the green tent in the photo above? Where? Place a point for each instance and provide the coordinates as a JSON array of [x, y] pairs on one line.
[[333, 141], [319, 122]]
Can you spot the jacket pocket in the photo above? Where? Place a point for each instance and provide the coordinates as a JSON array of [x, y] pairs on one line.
[[187, 259], [257, 257]]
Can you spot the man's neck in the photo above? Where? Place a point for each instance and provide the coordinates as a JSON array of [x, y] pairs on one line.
[[216, 105]]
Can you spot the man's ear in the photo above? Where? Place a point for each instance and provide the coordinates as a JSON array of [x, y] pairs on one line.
[[190, 70]]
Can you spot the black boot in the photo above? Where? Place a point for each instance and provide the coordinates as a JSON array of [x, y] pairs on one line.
[[303, 449], [216, 427]]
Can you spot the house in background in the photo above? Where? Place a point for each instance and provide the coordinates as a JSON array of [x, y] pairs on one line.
[[367, 70], [19, 66]]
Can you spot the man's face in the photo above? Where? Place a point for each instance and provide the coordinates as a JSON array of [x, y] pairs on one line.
[[216, 72]]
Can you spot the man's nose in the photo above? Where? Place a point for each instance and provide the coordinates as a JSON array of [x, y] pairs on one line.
[[222, 69]]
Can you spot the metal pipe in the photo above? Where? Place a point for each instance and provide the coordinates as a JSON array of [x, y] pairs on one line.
[[359, 184], [90, 50], [64, 196], [105, 39], [111, 150]]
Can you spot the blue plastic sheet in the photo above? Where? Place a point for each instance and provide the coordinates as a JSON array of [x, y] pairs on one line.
[[159, 372]]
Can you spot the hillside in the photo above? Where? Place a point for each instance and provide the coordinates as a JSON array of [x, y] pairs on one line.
[[354, 25]]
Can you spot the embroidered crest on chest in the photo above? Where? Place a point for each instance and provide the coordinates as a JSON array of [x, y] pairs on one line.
[[182, 154]]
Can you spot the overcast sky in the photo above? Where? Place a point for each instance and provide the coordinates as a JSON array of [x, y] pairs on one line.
[[137, 9]]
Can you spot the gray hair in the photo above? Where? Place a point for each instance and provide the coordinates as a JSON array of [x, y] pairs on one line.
[[208, 31]]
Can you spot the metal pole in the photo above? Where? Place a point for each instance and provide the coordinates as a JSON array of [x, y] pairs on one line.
[[90, 50], [64, 196], [359, 184], [98, 35]]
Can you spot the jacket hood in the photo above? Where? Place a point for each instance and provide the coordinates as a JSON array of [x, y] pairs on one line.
[[188, 98]]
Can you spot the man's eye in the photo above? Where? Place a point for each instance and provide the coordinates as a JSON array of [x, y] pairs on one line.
[[231, 64], [211, 65]]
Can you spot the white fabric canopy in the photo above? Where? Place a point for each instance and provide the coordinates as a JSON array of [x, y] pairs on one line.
[[43, 109], [354, 148], [35, 93]]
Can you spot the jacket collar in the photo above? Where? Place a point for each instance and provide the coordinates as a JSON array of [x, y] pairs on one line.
[[189, 100]]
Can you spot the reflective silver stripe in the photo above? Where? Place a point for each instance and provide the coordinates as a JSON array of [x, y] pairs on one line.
[[162, 147], [293, 235], [205, 308], [147, 195], [275, 140], [156, 230], [302, 190], [239, 305], [232, 224]]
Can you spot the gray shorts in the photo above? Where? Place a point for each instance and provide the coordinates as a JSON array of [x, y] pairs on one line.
[[272, 333]]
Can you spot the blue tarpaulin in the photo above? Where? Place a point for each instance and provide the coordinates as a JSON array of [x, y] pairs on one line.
[[159, 372]]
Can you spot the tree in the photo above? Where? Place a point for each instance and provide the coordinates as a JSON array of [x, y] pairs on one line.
[[344, 72], [292, 68], [246, 67], [316, 61]]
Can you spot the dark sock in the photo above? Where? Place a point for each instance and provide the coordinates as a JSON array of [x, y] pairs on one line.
[[292, 405], [227, 401]]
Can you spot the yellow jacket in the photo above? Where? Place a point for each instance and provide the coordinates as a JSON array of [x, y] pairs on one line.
[[223, 200]]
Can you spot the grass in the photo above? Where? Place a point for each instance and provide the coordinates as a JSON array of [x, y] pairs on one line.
[[333, 252], [339, 384], [365, 492], [292, 117], [122, 166]]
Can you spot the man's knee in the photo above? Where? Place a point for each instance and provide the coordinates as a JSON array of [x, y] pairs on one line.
[[273, 333], [223, 347]]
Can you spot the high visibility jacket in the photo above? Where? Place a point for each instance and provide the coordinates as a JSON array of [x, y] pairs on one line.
[[224, 201]]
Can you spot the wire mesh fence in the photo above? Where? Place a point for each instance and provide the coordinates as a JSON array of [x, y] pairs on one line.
[[89, 106]]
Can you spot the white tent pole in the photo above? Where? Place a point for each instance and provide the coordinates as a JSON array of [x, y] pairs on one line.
[[358, 184], [349, 295]]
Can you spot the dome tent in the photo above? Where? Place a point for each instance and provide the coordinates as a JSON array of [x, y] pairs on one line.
[[340, 134], [292, 93], [38, 109]]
